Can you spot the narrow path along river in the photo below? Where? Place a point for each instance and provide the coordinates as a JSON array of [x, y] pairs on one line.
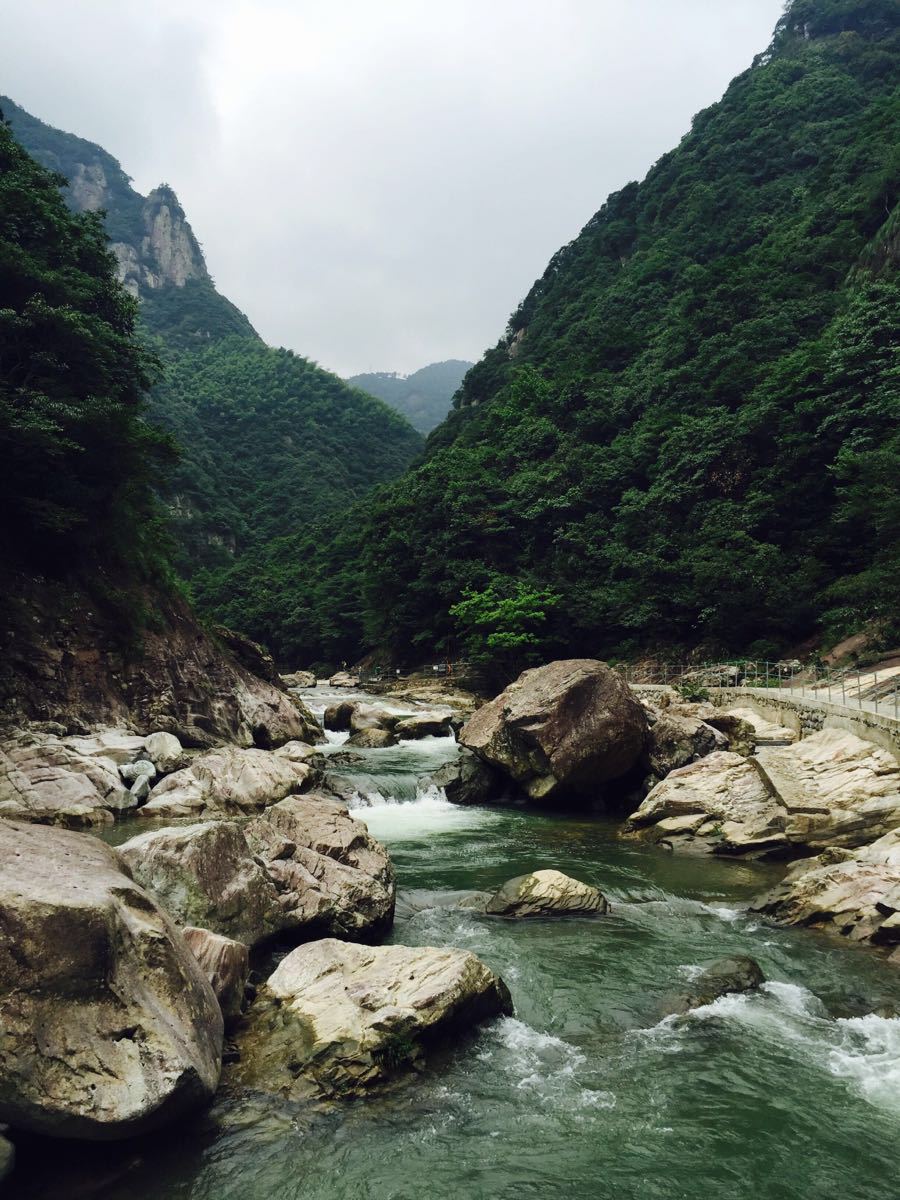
[[789, 1094]]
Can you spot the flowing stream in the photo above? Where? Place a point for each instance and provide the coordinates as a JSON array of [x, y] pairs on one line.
[[789, 1094]]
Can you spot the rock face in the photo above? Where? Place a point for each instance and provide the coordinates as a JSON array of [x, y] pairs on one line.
[[330, 874], [63, 658], [206, 876], [546, 894], [832, 788], [229, 781], [335, 1018], [725, 975], [855, 893], [721, 803], [225, 963], [109, 1026], [563, 729]]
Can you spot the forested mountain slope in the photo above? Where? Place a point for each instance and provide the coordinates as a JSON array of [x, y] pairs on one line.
[[688, 435], [268, 440], [424, 397]]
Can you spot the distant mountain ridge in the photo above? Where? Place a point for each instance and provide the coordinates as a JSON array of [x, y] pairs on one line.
[[424, 397]]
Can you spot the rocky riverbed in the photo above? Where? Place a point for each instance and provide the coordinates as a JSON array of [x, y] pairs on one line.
[[595, 959]]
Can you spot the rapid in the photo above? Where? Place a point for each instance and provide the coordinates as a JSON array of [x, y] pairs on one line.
[[792, 1093]]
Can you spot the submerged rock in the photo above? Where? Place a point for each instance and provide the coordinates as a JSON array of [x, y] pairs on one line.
[[335, 1019], [725, 975], [225, 963], [564, 729], [546, 894], [110, 1028], [227, 781]]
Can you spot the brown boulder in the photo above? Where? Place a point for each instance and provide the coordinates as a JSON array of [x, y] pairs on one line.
[[225, 963], [566, 728]]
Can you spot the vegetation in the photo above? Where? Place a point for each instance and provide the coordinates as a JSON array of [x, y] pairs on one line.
[[688, 433], [423, 397], [78, 457]]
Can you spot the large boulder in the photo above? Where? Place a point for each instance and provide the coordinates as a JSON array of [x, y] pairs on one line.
[[422, 725], [331, 875], [205, 875], [546, 894], [724, 976], [110, 1027], [299, 679], [229, 781], [225, 963], [855, 893], [335, 1019], [372, 739], [165, 752], [63, 781], [369, 716], [337, 716], [344, 679], [564, 729], [720, 803]]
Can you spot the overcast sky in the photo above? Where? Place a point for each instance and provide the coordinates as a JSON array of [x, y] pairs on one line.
[[377, 183]]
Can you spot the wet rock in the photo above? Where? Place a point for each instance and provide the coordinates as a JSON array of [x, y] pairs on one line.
[[855, 893], [229, 781], [344, 679], [421, 725], [225, 963], [165, 752], [546, 894], [7, 1157], [721, 803], [55, 781], [372, 739], [331, 875], [564, 729], [469, 780], [131, 772], [205, 875], [299, 679], [725, 975], [675, 741], [369, 716], [336, 1019], [337, 716], [111, 1028]]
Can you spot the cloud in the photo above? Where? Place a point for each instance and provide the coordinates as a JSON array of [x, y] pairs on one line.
[[378, 182]]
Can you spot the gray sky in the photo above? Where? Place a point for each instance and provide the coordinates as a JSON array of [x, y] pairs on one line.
[[377, 183]]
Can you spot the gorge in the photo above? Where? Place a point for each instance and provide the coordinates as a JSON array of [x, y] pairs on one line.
[[391, 803]]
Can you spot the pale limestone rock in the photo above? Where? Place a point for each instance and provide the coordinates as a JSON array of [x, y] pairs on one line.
[[765, 732], [344, 679], [225, 963], [131, 772], [563, 729], [165, 751], [337, 1018], [426, 724], [228, 781], [56, 781], [546, 894], [723, 791], [372, 739], [110, 1028], [299, 679]]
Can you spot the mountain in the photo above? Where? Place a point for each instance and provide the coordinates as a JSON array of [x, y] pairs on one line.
[[687, 437], [269, 442], [424, 397]]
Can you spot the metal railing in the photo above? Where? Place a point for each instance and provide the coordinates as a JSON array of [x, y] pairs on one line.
[[861, 688]]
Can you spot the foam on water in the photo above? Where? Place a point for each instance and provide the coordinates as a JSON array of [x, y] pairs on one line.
[[540, 1063], [868, 1056], [430, 813]]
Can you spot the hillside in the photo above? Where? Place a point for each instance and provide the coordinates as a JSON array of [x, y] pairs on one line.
[[268, 440], [424, 397], [687, 436]]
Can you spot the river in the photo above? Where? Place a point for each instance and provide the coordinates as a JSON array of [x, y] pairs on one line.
[[789, 1094]]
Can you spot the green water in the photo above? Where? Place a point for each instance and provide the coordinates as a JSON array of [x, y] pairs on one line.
[[583, 1094]]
